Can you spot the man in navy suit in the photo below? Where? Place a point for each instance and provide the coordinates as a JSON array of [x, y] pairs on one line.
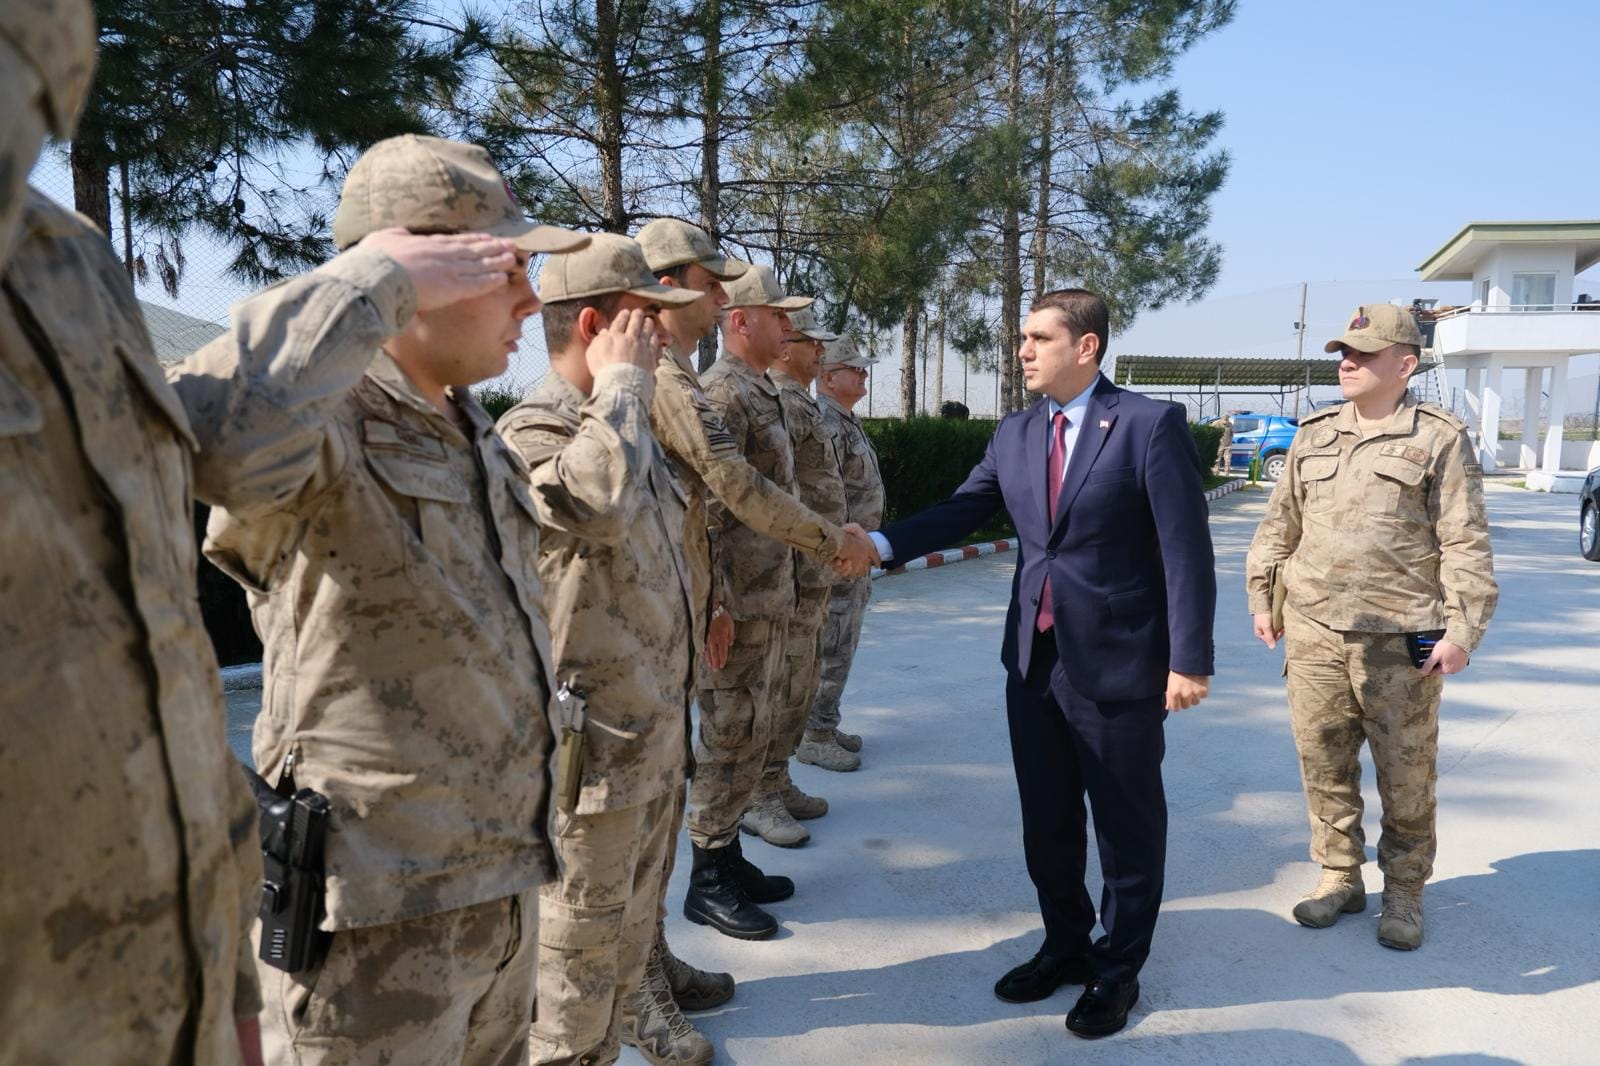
[[1109, 629]]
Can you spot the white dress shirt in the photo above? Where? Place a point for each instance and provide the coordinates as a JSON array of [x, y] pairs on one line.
[[1077, 410]]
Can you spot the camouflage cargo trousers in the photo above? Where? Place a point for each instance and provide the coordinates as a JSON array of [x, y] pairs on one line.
[[841, 633], [1345, 688], [796, 687], [596, 925], [455, 987], [736, 717]]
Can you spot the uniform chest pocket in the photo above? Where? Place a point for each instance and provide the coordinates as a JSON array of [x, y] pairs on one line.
[[428, 496], [770, 451], [1316, 473], [1399, 484]]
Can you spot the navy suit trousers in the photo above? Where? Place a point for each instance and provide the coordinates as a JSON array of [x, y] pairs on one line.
[[1064, 747]]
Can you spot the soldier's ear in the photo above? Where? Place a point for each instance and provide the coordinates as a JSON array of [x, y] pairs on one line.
[[591, 323]]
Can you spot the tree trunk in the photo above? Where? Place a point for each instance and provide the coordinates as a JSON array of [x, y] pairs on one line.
[[1011, 234], [609, 103], [1047, 113], [711, 145], [91, 184], [938, 369], [908, 361]]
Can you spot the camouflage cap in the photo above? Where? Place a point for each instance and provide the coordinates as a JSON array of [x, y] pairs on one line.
[[609, 263], [672, 242], [57, 39], [1375, 327], [843, 351], [804, 322], [758, 287], [430, 185]]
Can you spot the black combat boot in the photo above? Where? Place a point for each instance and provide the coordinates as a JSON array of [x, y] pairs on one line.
[[715, 898], [758, 887]]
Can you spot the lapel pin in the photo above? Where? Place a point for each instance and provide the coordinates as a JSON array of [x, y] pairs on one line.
[[1105, 423]]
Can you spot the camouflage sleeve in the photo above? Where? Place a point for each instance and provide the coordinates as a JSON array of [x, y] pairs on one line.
[[589, 483], [1466, 560], [246, 845], [1276, 537], [259, 397], [711, 439]]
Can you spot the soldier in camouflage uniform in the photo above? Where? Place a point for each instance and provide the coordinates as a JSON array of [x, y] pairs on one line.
[[778, 801], [755, 577], [132, 863], [618, 593], [842, 385], [389, 546], [1376, 531]]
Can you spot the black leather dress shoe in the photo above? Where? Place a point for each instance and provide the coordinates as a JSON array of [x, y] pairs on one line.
[[1103, 1007], [1040, 976]]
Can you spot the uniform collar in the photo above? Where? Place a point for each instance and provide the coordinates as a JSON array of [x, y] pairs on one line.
[[786, 381], [388, 376], [1402, 422], [562, 394], [750, 373], [824, 398]]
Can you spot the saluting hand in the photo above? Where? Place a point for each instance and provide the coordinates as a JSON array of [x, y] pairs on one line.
[[628, 341], [446, 268]]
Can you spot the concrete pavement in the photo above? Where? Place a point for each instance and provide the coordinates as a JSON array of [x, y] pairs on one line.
[[913, 896]]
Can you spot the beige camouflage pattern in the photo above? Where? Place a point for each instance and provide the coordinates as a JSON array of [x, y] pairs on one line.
[[796, 687], [736, 717], [132, 863], [709, 463], [1346, 687], [816, 469], [57, 39], [455, 987], [847, 604], [858, 464], [755, 574], [391, 564], [616, 586], [596, 926], [841, 635], [1383, 534]]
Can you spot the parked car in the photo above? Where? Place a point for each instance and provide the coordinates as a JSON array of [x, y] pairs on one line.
[[1262, 436], [1589, 516]]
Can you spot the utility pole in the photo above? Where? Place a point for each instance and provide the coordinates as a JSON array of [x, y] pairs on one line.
[[1300, 343]]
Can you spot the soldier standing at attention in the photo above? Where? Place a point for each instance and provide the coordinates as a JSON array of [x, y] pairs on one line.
[[755, 577], [1224, 460], [778, 801], [1378, 535], [618, 594], [389, 544], [132, 860], [842, 385]]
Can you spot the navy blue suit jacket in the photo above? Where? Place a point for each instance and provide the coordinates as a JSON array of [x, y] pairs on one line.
[[1133, 581]]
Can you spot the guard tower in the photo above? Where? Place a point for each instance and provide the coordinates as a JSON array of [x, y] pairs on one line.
[[1523, 318]]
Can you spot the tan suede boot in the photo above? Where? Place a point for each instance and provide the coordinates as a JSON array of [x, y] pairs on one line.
[[652, 1022], [1339, 892], [770, 820], [800, 804], [1400, 925], [692, 989]]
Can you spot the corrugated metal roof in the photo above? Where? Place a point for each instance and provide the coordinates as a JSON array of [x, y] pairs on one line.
[[175, 335], [1198, 372]]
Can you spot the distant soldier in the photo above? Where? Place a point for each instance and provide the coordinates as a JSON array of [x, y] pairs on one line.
[[1224, 459], [755, 577], [132, 863], [842, 385], [1377, 535], [778, 801], [389, 543], [619, 597]]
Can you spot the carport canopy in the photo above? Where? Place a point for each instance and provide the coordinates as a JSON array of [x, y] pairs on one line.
[[1193, 372]]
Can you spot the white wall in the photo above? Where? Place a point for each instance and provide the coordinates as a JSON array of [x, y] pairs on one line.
[[1500, 264]]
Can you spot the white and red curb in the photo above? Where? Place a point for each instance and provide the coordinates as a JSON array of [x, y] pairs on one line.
[[994, 547]]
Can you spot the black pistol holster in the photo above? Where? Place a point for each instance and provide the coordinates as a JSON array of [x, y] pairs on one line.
[[294, 827]]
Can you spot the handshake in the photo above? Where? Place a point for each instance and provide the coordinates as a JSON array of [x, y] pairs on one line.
[[857, 555]]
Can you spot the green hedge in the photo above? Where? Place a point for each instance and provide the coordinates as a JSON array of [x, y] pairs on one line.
[[1207, 438]]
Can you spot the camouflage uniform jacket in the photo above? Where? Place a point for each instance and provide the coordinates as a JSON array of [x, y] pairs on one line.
[[710, 462], [617, 587], [390, 558], [132, 862], [1384, 533], [816, 468], [858, 463]]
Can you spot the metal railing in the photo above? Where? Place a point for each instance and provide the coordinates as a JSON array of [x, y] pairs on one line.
[[1512, 309]]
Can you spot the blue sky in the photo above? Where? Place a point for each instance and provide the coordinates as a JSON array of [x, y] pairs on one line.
[[1363, 135]]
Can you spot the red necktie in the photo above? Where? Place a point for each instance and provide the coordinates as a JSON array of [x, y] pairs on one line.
[[1057, 463]]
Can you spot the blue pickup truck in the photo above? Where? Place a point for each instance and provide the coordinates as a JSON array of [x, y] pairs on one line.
[[1262, 436]]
